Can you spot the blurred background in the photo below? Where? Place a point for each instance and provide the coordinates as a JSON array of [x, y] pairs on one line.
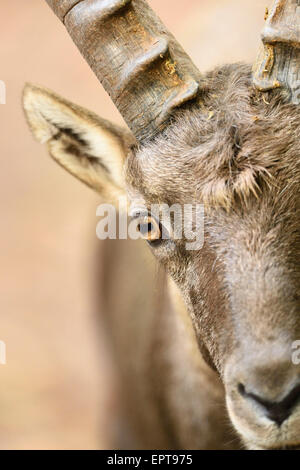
[[57, 390]]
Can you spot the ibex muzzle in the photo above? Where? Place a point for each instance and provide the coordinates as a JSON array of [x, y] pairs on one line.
[[228, 139]]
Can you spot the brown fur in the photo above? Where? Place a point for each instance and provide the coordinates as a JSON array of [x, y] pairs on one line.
[[242, 288], [237, 151]]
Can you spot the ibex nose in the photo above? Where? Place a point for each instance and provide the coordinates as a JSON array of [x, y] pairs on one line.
[[277, 411]]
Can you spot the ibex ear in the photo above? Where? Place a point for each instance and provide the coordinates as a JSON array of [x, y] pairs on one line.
[[91, 148]]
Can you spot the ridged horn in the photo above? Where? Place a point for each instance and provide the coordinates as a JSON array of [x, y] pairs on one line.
[[140, 64], [278, 64]]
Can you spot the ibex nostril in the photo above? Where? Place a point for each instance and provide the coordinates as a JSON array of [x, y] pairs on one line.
[[276, 411], [241, 389]]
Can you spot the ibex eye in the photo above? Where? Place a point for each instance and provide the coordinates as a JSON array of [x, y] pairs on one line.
[[150, 229]]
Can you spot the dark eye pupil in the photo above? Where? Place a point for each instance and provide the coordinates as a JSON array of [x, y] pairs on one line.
[[146, 228]]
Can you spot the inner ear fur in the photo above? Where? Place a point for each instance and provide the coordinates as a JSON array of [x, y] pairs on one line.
[[89, 147]]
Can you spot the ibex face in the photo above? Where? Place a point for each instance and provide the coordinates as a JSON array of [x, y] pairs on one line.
[[216, 140], [242, 288]]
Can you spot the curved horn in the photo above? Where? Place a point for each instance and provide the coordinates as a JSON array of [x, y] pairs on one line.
[[278, 64], [141, 66]]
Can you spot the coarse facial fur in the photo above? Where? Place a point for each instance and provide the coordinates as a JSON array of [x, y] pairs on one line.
[[237, 151]]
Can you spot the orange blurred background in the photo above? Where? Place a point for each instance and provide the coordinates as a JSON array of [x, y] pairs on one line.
[[57, 388]]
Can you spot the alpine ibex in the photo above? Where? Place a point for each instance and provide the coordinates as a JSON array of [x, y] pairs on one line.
[[218, 339]]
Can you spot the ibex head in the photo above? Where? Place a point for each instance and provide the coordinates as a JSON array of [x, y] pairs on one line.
[[229, 140]]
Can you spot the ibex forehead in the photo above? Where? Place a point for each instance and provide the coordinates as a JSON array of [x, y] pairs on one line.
[[231, 143]]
